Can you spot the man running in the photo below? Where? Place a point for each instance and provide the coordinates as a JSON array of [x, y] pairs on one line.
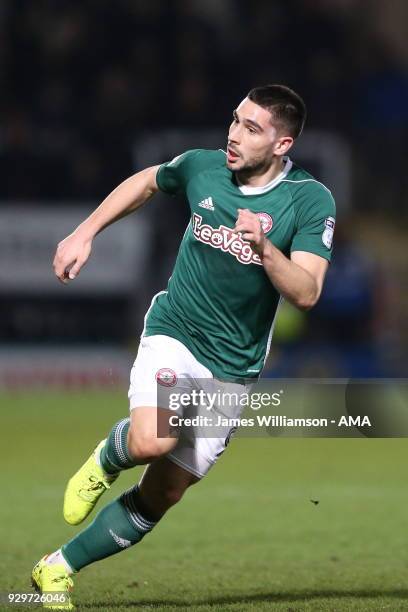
[[261, 231]]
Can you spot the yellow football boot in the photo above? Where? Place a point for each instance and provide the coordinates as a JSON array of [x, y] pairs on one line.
[[54, 584], [85, 488]]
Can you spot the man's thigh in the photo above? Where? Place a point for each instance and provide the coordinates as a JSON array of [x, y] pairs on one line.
[[200, 446], [162, 365], [149, 432]]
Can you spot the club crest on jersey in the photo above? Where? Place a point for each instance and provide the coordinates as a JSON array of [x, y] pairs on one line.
[[166, 377], [266, 221], [223, 238], [327, 236]]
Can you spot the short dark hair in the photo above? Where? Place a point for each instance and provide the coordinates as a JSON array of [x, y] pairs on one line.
[[285, 105]]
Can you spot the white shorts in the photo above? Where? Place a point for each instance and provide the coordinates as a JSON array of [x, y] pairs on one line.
[[163, 364]]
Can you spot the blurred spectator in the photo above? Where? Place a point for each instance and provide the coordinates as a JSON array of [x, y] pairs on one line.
[[347, 306], [96, 73]]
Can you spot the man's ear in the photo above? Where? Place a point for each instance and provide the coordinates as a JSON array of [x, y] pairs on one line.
[[283, 145]]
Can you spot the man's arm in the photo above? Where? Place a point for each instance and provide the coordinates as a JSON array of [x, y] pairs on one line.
[[73, 252], [299, 279]]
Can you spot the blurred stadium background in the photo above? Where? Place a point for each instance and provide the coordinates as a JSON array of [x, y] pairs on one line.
[[94, 91]]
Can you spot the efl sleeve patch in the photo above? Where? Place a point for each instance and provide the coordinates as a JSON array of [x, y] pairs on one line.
[[328, 233], [315, 222]]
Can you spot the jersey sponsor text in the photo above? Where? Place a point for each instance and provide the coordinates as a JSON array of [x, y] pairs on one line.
[[224, 238]]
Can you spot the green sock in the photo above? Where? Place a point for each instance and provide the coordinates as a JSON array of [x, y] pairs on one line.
[[117, 526], [114, 456]]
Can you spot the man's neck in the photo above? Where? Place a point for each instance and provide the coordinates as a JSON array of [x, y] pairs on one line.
[[262, 177]]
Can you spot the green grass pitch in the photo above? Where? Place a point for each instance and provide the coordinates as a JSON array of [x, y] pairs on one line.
[[246, 538]]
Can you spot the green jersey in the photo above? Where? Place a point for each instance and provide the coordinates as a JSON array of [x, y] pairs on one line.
[[219, 301]]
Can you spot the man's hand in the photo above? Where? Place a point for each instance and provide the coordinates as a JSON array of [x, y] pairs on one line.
[[249, 226], [71, 255], [298, 279], [73, 252]]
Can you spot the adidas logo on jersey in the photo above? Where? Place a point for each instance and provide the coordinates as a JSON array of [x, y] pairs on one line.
[[207, 203]]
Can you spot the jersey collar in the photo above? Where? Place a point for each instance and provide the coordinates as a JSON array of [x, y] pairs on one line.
[[246, 190]]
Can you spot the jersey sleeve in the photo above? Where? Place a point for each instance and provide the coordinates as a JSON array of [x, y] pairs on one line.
[[172, 177], [315, 218]]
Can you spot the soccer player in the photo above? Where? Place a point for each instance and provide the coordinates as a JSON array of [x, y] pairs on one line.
[[261, 231]]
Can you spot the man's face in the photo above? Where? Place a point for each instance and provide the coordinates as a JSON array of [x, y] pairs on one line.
[[253, 140]]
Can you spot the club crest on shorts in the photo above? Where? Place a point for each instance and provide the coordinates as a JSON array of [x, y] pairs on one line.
[[166, 377], [327, 236], [266, 221]]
